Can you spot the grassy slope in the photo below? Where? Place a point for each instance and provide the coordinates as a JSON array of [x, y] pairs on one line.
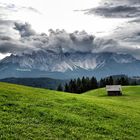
[[30, 113]]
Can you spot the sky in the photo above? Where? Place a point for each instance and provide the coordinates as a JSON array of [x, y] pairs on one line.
[[97, 25], [61, 14]]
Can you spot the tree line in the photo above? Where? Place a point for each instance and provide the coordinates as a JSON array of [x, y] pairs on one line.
[[81, 85]]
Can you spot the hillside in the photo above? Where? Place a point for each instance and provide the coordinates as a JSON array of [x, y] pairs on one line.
[[31, 113], [36, 82]]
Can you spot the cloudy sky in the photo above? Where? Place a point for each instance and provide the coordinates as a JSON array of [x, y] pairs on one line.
[[75, 25]]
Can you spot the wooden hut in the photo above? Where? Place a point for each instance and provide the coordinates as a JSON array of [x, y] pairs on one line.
[[114, 90]]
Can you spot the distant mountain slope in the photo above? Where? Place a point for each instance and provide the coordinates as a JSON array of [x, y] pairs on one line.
[[31, 113], [36, 82], [68, 65]]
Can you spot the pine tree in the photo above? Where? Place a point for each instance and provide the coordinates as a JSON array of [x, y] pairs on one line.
[[111, 81], [79, 85], [83, 84], [107, 82], [87, 85], [102, 83], [93, 83], [117, 81], [60, 88], [66, 88], [72, 86]]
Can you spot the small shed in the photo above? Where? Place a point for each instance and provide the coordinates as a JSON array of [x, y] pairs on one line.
[[114, 90]]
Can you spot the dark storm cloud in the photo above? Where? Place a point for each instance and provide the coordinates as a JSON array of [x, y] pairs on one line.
[[76, 41], [29, 40], [11, 34], [126, 37], [134, 2], [18, 37], [122, 11], [11, 47], [117, 9], [24, 29]]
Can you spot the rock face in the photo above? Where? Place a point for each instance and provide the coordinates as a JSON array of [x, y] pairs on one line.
[[68, 65]]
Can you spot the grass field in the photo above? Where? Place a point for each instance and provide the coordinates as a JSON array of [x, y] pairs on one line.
[[29, 113]]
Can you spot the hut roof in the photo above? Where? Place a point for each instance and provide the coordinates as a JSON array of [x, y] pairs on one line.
[[113, 88]]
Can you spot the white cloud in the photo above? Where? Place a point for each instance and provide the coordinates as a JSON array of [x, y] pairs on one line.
[[61, 15], [46, 14]]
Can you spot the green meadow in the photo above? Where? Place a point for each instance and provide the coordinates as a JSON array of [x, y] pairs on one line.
[[39, 114]]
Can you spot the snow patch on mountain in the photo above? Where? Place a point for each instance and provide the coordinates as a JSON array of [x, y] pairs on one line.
[[125, 58], [41, 63]]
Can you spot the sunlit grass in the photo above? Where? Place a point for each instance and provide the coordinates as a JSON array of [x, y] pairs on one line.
[[31, 113]]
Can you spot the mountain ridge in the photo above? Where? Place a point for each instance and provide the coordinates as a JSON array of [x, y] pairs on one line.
[[68, 65]]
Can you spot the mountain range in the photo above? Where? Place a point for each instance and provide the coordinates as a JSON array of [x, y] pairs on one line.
[[62, 65]]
